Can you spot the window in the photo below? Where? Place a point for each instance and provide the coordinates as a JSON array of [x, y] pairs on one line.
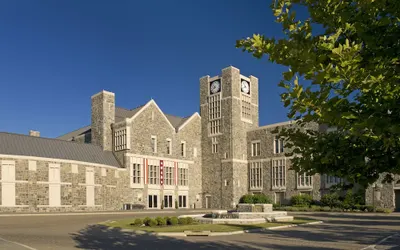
[[183, 176], [169, 146], [168, 201], [154, 144], [246, 107], [168, 175], [154, 174], [255, 175], [255, 148], [121, 139], [214, 147], [332, 180], [153, 200], [136, 173], [182, 201], [304, 180], [278, 145], [183, 149], [214, 113], [278, 173]]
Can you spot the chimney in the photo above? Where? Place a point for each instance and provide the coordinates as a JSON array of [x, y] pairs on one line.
[[103, 116], [34, 133]]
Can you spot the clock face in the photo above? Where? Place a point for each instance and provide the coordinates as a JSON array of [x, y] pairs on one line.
[[245, 87], [215, 87]]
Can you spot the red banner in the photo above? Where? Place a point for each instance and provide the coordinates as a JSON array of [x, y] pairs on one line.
[[161, 172]]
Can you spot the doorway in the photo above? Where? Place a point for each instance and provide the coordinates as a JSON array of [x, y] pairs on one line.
[[279, 198]]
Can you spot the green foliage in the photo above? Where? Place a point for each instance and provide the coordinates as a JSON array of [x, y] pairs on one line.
[[182, 221], [301, 200], [152, 223], [166, 218], [161, 221], [346, 76], [176, 204], [255, 199], [173, 221], [189, 220], [331, 200], [146, 221], [138, 222]]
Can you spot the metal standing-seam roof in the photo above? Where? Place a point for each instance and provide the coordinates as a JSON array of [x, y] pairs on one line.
[[17, 144]]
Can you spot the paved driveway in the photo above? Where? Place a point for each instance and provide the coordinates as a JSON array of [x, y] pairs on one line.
[[339, 231]]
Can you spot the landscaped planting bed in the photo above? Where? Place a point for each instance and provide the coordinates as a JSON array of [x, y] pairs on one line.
[[185, 224]]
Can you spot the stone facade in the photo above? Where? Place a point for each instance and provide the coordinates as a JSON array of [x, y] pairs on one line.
[[162, 161]]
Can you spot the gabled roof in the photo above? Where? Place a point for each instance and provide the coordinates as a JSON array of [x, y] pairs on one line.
[[17, 144], [121, 114]]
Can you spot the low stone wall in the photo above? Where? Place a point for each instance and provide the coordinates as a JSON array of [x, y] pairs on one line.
[[255, 215], [255, 208]]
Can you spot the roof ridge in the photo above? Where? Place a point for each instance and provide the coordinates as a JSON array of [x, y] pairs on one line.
[[52, 139], [90, 125]]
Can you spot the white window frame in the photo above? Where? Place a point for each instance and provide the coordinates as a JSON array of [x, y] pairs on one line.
[[183, 149], [122, 138], [301, 181], [278, 166], [331, 180], [214, 113], [214, 147], [154, 147], [255, 175], [256, 148], [154, 174], [183, 174], [281, 145], [183, 193], [136, 172], [169, 146]]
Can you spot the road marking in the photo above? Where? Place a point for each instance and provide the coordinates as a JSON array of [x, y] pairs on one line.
[[19, 244], [380, 242]]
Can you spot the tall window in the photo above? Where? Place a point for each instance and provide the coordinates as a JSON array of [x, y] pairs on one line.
[[278, 173], [255, 175], [136, 173], [332, 180], [154, 174], [255, 148], [169, 146], [168, 175], [214, 113], [304, 180], [182, 201], [278, 145], [246, 107], [183, 176], [121, 139], [183, 149], [168, 201], [214, 145], [154, 144]]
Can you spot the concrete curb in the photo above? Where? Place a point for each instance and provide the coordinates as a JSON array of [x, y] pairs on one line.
[[208, 233]]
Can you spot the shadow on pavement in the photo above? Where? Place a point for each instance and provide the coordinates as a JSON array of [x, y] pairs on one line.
[[104, 238]]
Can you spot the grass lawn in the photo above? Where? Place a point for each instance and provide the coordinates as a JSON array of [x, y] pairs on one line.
[[125, 224]]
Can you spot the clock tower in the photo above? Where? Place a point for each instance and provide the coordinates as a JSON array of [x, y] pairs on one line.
[[229, 108]]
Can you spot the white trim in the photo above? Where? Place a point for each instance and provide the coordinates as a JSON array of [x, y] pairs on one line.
[[15, 181], [24, 157], [211, 79], [74, 168], [46, 183], [154, 186], [254, 151], [245, 78], [90, 205], [235, 161], [111, 186], [188, 120], [7, 162], [146, 106], [15, 206], [103, 92], [32, 165], [54, 206], [273, 125], [90, 185], [158, 158]]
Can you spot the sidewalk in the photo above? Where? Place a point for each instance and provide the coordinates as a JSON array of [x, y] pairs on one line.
[[145, 211]]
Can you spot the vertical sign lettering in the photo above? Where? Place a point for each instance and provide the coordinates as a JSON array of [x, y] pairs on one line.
[[161, 172]]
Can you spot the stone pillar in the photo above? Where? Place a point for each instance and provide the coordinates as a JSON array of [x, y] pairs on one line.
[[34, 133], [103, 116]]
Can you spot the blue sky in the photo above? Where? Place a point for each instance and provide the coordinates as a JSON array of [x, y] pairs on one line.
[[54, 55]]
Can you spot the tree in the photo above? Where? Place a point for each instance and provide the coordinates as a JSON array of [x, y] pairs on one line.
[[346, 76]]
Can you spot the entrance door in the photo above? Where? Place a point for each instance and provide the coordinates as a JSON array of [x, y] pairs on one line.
[[208, 201], [153, 201], [397, 199]]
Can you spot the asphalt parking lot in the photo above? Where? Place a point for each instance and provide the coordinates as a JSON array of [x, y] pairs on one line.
[[339, 231]]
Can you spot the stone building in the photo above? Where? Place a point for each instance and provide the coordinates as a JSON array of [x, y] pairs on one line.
[[127, 157]]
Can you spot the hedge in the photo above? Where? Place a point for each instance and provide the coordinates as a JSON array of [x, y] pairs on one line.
[[255, 199]]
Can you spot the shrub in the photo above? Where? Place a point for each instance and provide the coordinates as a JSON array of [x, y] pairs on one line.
[[138, 222], [146, 221], [292, 209], [383, 210], [331, 200], [166, 218], [189, 220], [304, 209], [161, 221], [326, 209], [256, 198], [182, 221], [176, 204], [301, 200], [173, 221], [337, 209], [152, 223]]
